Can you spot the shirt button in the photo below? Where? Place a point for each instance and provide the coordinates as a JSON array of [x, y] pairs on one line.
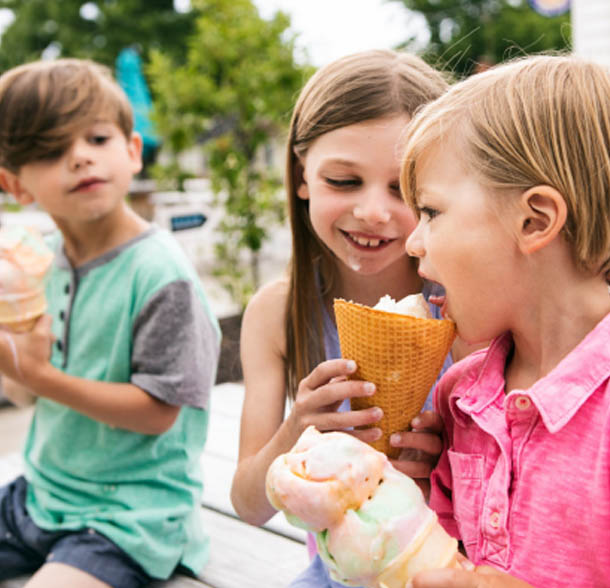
[[62, 315], [523, 402], [60, 345], [67, 289], [494, 520]]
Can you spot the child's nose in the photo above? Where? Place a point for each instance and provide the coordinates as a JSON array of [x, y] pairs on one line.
[[372, 208], [415, 243], [80, 154]]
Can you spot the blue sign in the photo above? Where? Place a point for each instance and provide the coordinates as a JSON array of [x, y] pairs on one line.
[[187, 221], [550, 7]]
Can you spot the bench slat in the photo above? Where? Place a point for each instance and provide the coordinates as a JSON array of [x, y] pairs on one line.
[[249, 557]]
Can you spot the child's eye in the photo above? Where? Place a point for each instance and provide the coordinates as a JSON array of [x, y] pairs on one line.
[[343, 183], [428, 212], [395, 188], [99, 139]]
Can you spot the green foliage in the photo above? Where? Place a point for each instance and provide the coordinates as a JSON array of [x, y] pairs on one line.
[[144, 24], [466, 33], [233, 94]]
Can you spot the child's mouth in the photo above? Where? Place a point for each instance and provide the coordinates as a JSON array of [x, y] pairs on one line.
[[87, 184], [441, 302], [366, 242], [438, 297]]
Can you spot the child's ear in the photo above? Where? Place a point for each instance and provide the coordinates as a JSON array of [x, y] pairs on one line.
[[134, 147], [543, 214], [299, 180], [10, 183]]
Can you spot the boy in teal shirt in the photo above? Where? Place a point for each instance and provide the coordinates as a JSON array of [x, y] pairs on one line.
[[123, 366]]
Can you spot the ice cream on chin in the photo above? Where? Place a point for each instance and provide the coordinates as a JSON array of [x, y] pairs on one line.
[[24, 262], [399, 347], [373, 527]]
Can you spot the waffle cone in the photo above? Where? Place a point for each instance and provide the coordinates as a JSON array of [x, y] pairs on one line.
[[432, 549], [402, 355], [20, 315]]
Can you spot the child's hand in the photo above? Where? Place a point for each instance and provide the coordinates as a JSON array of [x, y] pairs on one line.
[[23, 354], [479, 577], [19, 395], [421, 448], [321, 393]]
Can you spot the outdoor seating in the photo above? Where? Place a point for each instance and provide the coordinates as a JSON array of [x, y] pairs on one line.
[[241, 555]]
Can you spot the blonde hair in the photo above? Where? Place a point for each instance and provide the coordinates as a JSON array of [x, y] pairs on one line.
[[357, 88], [542, 120], [43, 104]]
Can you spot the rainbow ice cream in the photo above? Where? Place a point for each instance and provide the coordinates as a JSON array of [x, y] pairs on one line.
[[24, 262], [373, 527]]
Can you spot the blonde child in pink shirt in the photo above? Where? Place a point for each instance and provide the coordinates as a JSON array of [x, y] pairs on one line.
[[510, 174]]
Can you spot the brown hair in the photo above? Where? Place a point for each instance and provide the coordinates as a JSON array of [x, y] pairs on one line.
[[43, 104], [357, 88], [542, 120]]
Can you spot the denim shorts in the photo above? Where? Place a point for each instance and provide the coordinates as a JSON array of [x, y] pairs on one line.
[[24, 547], [315, 576]]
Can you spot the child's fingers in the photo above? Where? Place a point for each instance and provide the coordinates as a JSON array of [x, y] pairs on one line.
[[482, 577], [324, 372], [430, 443], [43, 324], [367, 435], [448, 578], [428, 421], [418, 470], [11, 363], [333, 421], [331, 394]]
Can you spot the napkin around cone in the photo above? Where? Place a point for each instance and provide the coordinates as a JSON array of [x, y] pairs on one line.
[[402, 355]]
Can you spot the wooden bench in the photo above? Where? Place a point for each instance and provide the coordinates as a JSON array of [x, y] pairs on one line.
[[241, 556]]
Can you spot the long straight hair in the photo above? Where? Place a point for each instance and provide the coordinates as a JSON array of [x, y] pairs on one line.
[[354, 89]]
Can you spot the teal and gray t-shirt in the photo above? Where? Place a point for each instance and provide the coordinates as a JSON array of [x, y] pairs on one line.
[[137, 314]]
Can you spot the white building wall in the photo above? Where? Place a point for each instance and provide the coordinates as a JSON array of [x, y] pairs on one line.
[[591, 29]]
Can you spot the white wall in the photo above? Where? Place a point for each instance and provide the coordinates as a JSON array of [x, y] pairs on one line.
[[591, 29]]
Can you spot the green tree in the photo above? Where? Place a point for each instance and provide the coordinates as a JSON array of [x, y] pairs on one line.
[[95, 30], [233, 95], [468, 34]]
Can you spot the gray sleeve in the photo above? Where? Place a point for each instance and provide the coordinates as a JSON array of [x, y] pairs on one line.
[[175, 347]]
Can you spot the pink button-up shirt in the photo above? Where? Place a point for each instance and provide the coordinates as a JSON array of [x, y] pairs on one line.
[[524, 480]]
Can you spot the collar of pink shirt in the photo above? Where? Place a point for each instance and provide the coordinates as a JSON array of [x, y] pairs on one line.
[[578, 375]]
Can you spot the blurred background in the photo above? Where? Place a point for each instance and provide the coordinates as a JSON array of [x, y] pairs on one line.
[[213, 82]]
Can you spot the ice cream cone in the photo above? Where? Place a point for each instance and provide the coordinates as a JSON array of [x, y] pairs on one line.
[[20, 313], [402, 355], [24, 262]]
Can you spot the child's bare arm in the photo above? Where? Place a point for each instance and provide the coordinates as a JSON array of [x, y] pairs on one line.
[[262, 352], [25, 359], [121, 405], [264, 432], [19, 395]]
